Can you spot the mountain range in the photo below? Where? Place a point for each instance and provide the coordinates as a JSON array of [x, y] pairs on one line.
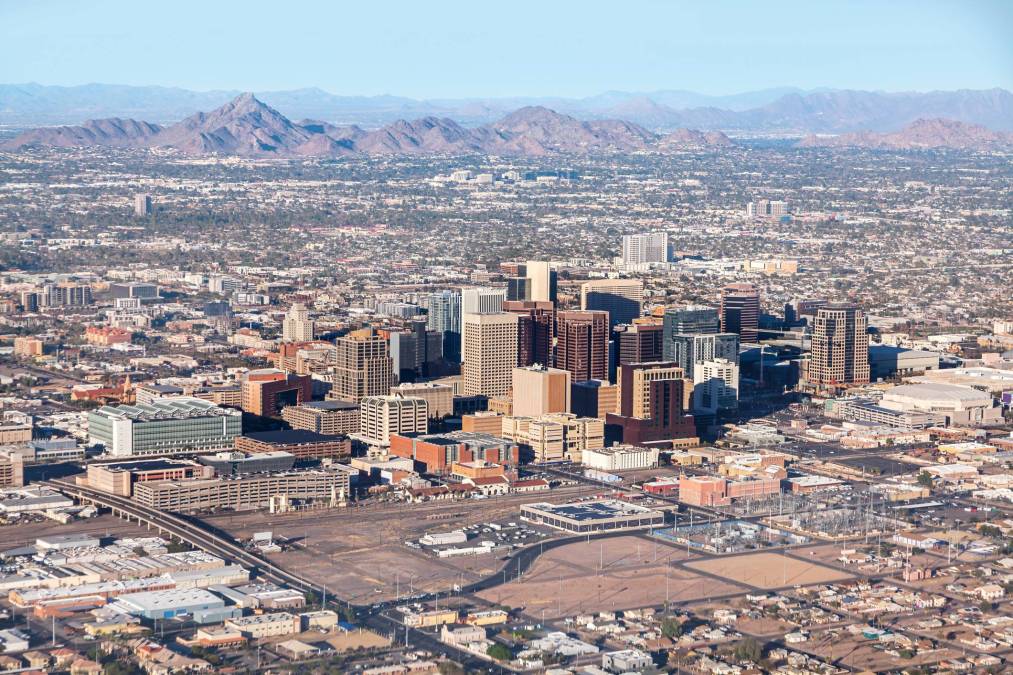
[[780, 110], [247, 127], [920, 134]]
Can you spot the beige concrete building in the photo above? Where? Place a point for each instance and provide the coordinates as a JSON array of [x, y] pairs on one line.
[[333, 418], [363, 367], [12, 470], [381, 416], [15, 427], [27, 347], [540, 275], [440, 397], [489, 353], [297, 326], [258, 626], [539, 390], [486, 422], [555, 437]]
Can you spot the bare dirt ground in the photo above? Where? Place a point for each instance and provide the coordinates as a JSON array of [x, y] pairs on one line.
[[768, 570], [862, 655], [359, 553], [619, 573]]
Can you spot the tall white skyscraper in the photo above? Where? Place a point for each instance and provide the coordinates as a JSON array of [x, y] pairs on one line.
[[297, 327], [715, 386], [482, 300], [489, 353], [444, 311], [542, 280], [651, 247]]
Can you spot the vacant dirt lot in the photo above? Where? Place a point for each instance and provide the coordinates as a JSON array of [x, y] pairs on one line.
[[359, 553], [768, 570], [620, 573]]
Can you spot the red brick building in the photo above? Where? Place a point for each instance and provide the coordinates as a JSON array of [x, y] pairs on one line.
[[438, 452]]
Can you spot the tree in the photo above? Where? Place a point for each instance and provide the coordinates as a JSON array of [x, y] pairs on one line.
[[670, 627], [748, 650], [925, 479], [499, 652]]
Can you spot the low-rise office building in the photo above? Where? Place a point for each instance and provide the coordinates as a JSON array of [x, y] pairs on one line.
[[333, 418], [621, 458], [603, 515], [172, 426], [15, 427], [259, 626]]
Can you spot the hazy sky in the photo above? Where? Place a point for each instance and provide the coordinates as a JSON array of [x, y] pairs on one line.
[[510, 47]]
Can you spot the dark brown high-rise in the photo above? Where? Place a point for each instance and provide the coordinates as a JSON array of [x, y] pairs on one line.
[[534, 330], [582, 339], [740, 311], [639, 342]]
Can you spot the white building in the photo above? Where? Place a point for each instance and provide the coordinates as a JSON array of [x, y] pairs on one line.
[[381, 416], [627, 661], [540, 274], [482, 300], [620, 458], [297, 327], [651, 247], [715, 386]]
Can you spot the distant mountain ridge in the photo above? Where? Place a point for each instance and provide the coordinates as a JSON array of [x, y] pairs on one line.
[[247, 127], [920, 134], [780, 110]]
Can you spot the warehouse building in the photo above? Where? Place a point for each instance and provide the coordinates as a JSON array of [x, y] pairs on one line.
[[199, 604], [603, 515]]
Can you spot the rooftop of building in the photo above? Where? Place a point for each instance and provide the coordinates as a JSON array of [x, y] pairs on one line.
[[161, 388], [147, 465], [330, 406], [593, 510], [236, 456], [291, 437], [170, 599], [935, 392], [164, 409]]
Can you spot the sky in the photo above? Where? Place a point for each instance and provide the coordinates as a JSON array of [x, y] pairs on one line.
[[446, 48]]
